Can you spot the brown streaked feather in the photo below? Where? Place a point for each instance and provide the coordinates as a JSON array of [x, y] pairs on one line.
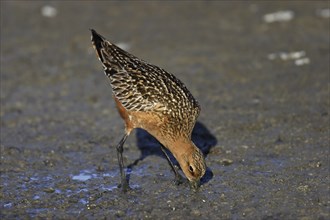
[[143, 87]]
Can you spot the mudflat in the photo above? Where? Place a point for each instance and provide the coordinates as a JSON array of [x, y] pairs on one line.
[[260, 71]]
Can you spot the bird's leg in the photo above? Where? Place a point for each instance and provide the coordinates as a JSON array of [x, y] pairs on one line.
[[120, 149], [178, 178]]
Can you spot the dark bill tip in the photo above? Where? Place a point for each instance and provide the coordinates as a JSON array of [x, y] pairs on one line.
[[194, 185]]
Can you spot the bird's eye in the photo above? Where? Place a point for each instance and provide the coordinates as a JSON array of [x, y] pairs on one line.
[[191, 169]]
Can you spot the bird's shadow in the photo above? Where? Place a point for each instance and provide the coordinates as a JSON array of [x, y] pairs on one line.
[[148, 145]]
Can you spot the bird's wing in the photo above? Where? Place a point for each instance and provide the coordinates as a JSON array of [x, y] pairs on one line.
[[140, 86]]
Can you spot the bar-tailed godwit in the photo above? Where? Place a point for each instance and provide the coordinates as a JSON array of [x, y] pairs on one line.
[[150, 98]]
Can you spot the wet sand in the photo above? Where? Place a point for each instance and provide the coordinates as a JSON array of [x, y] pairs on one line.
[[261, 77]]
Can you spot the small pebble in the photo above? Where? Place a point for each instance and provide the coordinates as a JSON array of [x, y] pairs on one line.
[[226, 162], [302, 61], [49, 190], [48, 11], [91, 206], [324, 13], [26, 179], [279, 16]]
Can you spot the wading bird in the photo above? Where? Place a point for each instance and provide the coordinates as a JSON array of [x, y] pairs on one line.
[[150, 98]]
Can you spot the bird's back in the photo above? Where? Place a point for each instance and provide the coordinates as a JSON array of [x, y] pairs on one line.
[[140, 86]]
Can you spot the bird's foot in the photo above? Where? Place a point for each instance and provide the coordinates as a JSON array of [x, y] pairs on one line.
[[124, 186]]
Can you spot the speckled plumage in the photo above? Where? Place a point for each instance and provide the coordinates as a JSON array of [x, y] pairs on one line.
[[148, 97], [141, 86]]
